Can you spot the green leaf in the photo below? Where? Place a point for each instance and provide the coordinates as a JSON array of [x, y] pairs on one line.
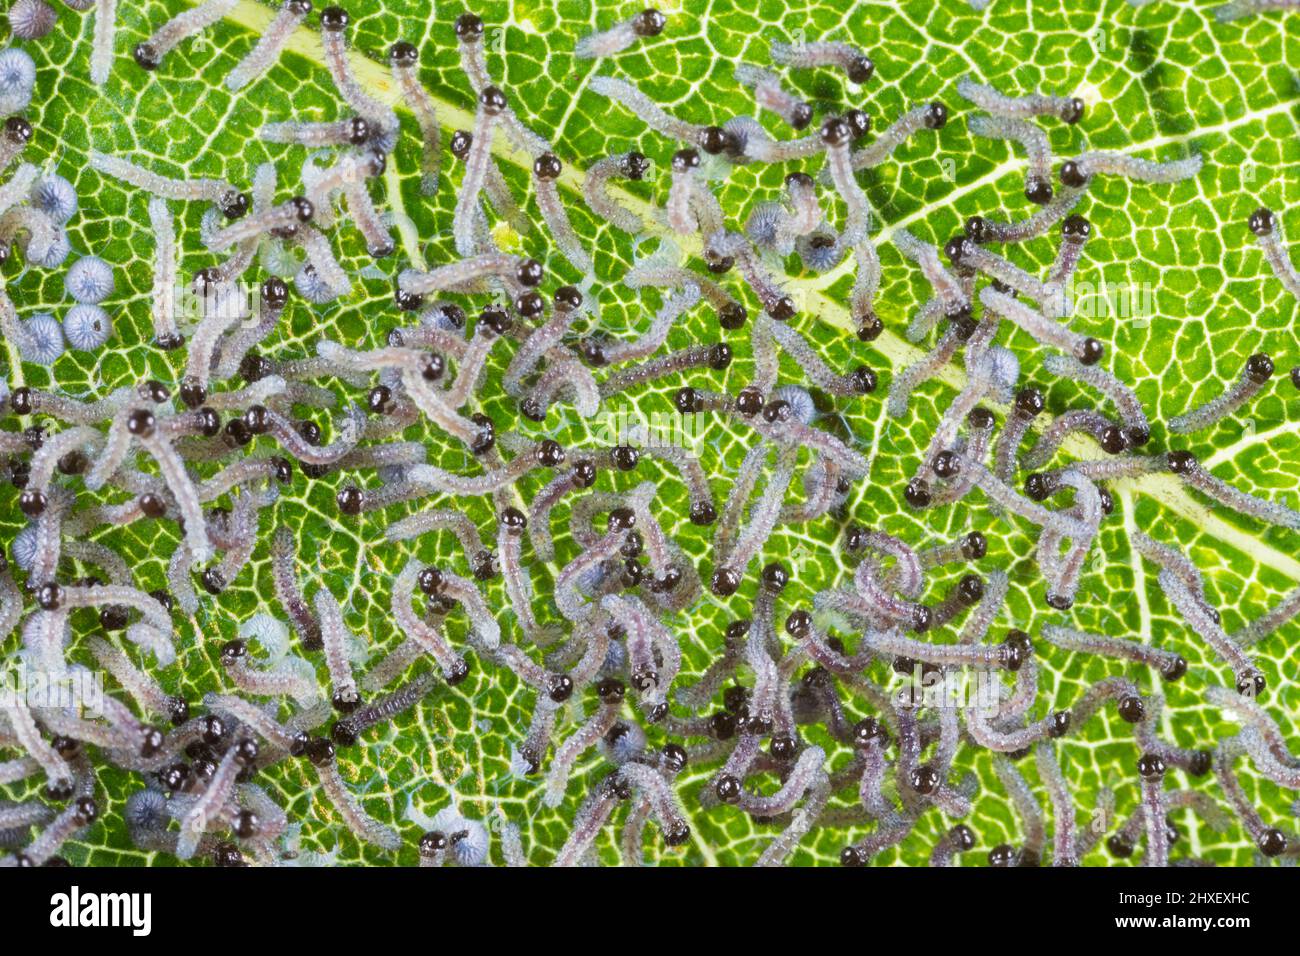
[[1161, 81]]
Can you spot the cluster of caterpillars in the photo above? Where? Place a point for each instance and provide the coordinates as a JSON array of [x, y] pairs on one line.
[[606, 670]]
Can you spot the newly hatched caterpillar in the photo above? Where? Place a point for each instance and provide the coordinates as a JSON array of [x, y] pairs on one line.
[[232, 203], [591, 819], [101, 51], [289, 676], [947, 287], [80, 814], [1236, 9], [353, 131], [321, 257], [736, 247], [743, 139], [732, 561], [1270, 621], [1063, 572], [469, 33], [1076, 172], [208, 808], [966, 254], [149, 54], [335, 637], [346, 730], [930, 116], [1137, 430], [1177, 563], [855, 64], [1249, 681], [434, 519], [712, 139], [1185, 466], [510, 529], [269, 45], [648, 23], [892, 644], [1075, 231], [662, 269], [539, 343], [163, 306], [23, 726], [653, 655], [674, 307], [982, 229], [143, 689], [1002, 494], [1086, 349], [835, 133], [1274, 759], [1264, 225], [546, 172], [498, 192], [362, 212], [771, 96], [333, 24], [904, 384], [945, 434], [1009, 740], [1038, 180], [631, 165], [404, 60], [363, 826], [1269, 840], [801, 822], [681, 217], [717, 356], [1066, 108], [861, 381], [236, 349], [1170, 664], [1151, 770], [118, 596], [483, 626], [1258, 370], [491, 105], [428, 637], [182, 488], [585, 737], [221, 310], [974, 444], [125, 422], [282, 220]]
